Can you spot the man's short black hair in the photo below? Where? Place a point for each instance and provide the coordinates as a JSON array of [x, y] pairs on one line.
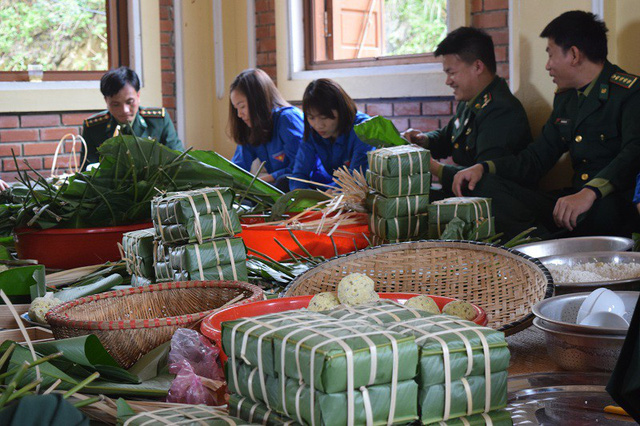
[[580, 29], [470, 44], [114, 80]]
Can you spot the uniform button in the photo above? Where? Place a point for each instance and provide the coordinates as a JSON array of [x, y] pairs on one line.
[[578, 138], [467, 132], [584, 161], [584, 176], [455, 145], [601, 137], [467, 148]]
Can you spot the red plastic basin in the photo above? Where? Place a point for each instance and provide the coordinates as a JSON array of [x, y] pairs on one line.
[[211, 325], [70, 248]]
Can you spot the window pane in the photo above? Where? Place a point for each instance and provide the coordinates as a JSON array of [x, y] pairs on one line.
[[60, 35], [413, 26]]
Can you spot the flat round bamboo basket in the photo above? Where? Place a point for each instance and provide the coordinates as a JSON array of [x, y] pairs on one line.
[[131, 322], [503, 282]]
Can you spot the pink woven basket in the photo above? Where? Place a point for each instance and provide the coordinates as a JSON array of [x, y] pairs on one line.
[[131, 322]]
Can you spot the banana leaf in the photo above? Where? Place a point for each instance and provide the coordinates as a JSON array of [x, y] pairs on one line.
[[379, 132], [242, 179], [157, 386], [102, 284], [18, 283], [296, 201]]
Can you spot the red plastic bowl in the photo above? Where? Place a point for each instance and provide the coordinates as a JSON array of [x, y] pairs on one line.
[[70, 248], [211, 326]]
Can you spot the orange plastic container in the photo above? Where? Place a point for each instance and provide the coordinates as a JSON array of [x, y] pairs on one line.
[[58, 248], [212, 325], [347, 239]]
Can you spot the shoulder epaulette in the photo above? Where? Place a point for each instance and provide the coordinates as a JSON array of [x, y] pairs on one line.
[[152, 112], [483, 101], [624, 80], [97, 119]]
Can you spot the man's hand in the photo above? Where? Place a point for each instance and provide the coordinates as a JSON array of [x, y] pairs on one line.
[[415, 136], [435, 167], [467, 178], [266, 177], [567, 209], [3, 185]]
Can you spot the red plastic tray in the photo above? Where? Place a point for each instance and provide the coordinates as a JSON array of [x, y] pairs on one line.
[[211, 326], [71, 248]]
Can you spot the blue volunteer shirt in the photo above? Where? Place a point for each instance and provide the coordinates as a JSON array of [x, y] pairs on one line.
[[279, 154], [318, 157], [636, 196]]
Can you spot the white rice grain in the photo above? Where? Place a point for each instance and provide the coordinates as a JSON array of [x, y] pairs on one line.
[[594, 271]]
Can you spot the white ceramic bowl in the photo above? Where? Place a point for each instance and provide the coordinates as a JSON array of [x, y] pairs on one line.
[[604, 320], [601, 300]]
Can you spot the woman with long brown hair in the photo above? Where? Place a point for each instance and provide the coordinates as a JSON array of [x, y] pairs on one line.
[[265, 127]]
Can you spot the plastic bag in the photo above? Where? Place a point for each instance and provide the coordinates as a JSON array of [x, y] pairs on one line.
[[195, 362]]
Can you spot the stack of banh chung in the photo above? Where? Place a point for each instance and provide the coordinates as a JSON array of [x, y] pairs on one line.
[[400, 178], [137, 251], [372, 364], [472, 214], [195, 236]]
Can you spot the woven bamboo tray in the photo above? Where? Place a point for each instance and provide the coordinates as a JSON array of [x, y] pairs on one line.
[[503, 282], [131, 322]]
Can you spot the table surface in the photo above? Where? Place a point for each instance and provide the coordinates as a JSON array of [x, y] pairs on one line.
[[529, 353]]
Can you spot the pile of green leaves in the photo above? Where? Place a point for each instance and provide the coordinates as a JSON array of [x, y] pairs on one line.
[[132, 171]]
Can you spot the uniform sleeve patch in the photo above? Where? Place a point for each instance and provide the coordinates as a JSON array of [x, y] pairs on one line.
[[624, 80], [279, 156], [152, 112]]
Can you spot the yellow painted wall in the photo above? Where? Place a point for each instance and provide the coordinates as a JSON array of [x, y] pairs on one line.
[[205, 114]]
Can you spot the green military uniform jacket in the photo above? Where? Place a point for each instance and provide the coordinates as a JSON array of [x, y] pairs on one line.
[[602, 136], [153, 123], [492, 125]]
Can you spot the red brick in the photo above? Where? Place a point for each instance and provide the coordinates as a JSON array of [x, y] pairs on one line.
[[18, 135], [496, 4], [266, 45], [74, 119], [503, 70], [68, 145], [13, 176], [40, 120], [401, 124], [166, 25], [266, 18], [7, 121], [169, 101], [166, 64], [56, 133], [263, 32], [490, 20], [5, 149], [476, 6], [380, 109], [168, 77], [499, 36], [406, 108], [501, 53], [262, 58], [167, 52], [425, 124], [262, 6], [436, 108], [271, 71], [63, 162], [168, 89], [166, 38], [46, 148], [8, 164], [164, 13]]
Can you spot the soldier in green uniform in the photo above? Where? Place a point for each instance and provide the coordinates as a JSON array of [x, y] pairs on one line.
[[489, 121], [596, 117], [121, 90]]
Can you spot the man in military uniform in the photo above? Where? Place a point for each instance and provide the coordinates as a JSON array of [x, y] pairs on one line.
[[121, 90], [489, 121], [595, 117]]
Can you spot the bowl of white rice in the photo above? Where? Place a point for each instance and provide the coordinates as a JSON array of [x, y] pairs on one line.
[[618, 270], [574, 245]]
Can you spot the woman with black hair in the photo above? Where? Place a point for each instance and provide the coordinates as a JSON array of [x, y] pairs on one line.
[[329, 139], [264, 126]]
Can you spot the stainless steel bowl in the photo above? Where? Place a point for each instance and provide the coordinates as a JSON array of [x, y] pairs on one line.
[[617, 257], [583, 352], [542, 249], [562, 311]]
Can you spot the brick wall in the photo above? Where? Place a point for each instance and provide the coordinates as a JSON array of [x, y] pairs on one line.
[[426, 113], [34, 136]]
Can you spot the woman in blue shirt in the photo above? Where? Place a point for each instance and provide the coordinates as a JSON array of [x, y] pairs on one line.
[[329, 140], [265, 127], [636, 197]]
